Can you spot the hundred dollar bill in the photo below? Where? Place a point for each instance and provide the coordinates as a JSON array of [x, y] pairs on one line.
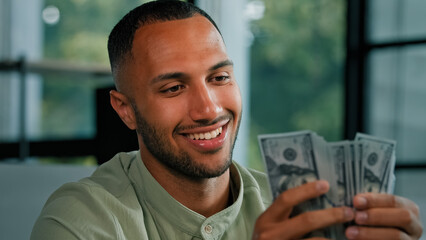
[[378, 160], [343, 155], [291, 160], [356, 166], [339, 155]]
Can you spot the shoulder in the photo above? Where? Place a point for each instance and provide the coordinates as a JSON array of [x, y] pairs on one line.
[[112, 176], [90, 206], [257, 181], [68, 211]]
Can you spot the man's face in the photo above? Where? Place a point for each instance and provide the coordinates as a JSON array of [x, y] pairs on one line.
[[186, 99]]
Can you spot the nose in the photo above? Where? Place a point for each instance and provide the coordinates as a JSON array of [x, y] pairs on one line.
[[204, 105]]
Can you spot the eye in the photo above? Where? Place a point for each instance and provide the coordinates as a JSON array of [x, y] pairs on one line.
[[221, 78], [173, 89]]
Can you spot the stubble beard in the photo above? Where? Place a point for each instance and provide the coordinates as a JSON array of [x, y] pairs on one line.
[[176, 160]]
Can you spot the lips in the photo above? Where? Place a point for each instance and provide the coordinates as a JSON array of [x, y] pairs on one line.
[[208, 140], [206, 135]]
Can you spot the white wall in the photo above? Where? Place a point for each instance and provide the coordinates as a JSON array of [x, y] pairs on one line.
[[24, 188], [229, 16]]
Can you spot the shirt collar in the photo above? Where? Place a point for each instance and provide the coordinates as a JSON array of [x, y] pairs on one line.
[[153, 194]]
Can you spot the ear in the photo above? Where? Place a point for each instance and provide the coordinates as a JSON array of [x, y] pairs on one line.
[[123, 108]]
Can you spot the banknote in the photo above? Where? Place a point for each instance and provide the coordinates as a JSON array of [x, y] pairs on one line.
[[339, 156], [292, 160], [378, 159], [365, 164]]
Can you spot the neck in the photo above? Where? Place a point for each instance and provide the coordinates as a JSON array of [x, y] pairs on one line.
[[205, 196]]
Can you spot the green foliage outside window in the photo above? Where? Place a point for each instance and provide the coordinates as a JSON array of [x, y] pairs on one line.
[[82, 31], [80, 36], [297, 63]]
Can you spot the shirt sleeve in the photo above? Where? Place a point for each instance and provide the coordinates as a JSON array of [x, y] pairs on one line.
[[49, 229], [75, 211]]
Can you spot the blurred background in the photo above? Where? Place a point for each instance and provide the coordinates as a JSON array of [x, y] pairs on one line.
[[336, 67]]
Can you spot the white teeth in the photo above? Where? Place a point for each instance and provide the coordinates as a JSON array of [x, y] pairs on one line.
[[206, 135], [213, 133]]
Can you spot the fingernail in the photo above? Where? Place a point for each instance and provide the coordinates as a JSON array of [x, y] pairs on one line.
[[352, 232], [362, 202], [322, 186], [348, 214], [361, 217]]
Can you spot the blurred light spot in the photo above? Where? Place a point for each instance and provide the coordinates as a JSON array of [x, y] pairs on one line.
[[254, 10], [51, 15]]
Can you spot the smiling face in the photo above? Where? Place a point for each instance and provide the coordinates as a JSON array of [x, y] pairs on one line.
[[185, 100]]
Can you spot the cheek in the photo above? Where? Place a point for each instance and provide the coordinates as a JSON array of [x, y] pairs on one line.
[[165, 114], [231, 99]]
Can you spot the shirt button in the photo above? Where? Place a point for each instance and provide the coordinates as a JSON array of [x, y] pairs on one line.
[[208, 229]]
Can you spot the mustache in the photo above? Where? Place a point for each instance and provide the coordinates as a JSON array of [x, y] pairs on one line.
[[204, 123]]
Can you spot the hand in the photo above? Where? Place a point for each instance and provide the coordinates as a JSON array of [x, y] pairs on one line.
[[384, 216], [275, 223]]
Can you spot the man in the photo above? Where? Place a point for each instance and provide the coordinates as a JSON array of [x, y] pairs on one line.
[[176, 88]]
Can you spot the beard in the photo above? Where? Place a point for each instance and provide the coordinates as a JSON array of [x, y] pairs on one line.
[[177, 160]]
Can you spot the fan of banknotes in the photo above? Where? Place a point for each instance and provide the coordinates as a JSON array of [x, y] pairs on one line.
[[365, 164]]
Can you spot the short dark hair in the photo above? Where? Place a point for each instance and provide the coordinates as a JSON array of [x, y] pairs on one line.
[[120, 41]]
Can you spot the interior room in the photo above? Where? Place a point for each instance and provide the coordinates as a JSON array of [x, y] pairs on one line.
[[334, 67]]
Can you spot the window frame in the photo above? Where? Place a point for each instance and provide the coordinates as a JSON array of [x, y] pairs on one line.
[[358, 48]]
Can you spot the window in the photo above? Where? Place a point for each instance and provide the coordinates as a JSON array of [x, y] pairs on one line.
[[396, 77], [52, 64], [386, 76], [386, 83], [297, 66]]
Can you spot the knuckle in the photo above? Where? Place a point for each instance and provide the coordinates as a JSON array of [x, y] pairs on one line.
[[284, 199], [401, 236], [416, 209], [346, 214], [308, 218], [393, 200], [406, 217], [371, 199], [262, 236], [420, 231], [417, 229], [263, 219], [339, 214], [395, 234]]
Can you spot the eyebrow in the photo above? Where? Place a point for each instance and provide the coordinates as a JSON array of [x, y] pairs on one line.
[[224, 63], [166, 76], [176, 75]]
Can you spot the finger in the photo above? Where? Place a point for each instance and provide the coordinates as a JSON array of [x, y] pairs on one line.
[[367, 233], [376, 200], [307, 222], [284, 203], [390, 217]]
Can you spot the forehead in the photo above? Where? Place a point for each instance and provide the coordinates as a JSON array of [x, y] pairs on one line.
[[177, 38]]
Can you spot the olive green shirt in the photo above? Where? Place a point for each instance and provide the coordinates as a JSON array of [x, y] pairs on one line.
[[121, 200]]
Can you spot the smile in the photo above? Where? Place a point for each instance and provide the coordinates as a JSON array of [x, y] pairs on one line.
[[208, 139], [206, 135]]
